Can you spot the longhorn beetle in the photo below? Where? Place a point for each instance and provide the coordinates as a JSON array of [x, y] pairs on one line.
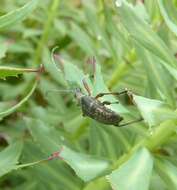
[[92, 107]]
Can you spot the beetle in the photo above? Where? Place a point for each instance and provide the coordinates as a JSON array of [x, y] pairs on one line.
[[92, 107]]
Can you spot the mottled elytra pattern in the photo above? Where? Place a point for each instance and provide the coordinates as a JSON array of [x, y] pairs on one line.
[[94, 109]]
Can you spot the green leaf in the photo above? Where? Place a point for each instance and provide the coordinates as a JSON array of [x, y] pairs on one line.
[[52, 69], [170, 69], [83, 39], [157, 182], [98, 31], [99, 87], [3, 49], [134, 174], [87, 167], [117, 33], [48, 138], [141, 11], [157, 75], [168, 172], [24, 100], [9, 157], [169, 21], [153, 111], [75, 76], [103, 139], [142, 33], [101, 183], [17, 15], [152, 9], [12, 71]]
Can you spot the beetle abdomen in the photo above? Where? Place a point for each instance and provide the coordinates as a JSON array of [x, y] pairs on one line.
[[96, 110]]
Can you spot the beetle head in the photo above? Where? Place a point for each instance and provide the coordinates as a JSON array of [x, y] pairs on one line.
[[78, 94]]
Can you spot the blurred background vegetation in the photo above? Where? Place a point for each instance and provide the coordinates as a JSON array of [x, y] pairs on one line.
[[134, 43]]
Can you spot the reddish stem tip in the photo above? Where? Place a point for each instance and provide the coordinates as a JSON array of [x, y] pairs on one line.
[[56, 155]]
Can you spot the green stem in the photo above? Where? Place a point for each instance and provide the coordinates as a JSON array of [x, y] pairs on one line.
[[47, 27], [160, 136], [81, 130], [122, 69], [101, 184], [18, 105]]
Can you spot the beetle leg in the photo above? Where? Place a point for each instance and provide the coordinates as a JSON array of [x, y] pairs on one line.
[[109, 103], [111, 93], [92, 61], [86, 87], [131, 122]]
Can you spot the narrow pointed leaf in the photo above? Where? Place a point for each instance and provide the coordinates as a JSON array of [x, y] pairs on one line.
[[168, 172], [153, 111], [3, 49], [99, 87], [18, 15], [134, 174], [169, 21], [171, 70], [15, 107], [48, 138], [52, 69], [83, 39], [141, 32], [157, 75], [141, 11], [73, 75], [12, 71], [9, 157], [87, 167], [98, 30]]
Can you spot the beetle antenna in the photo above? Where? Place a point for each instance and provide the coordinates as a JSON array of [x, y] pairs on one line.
[[86, 86], [59, 91]]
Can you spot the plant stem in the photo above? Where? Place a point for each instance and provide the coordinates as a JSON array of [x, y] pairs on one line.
[[122, 69], [81, 130], [47, 27], [160, 136]]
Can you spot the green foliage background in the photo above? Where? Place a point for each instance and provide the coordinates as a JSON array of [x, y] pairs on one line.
[[134, 43]]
